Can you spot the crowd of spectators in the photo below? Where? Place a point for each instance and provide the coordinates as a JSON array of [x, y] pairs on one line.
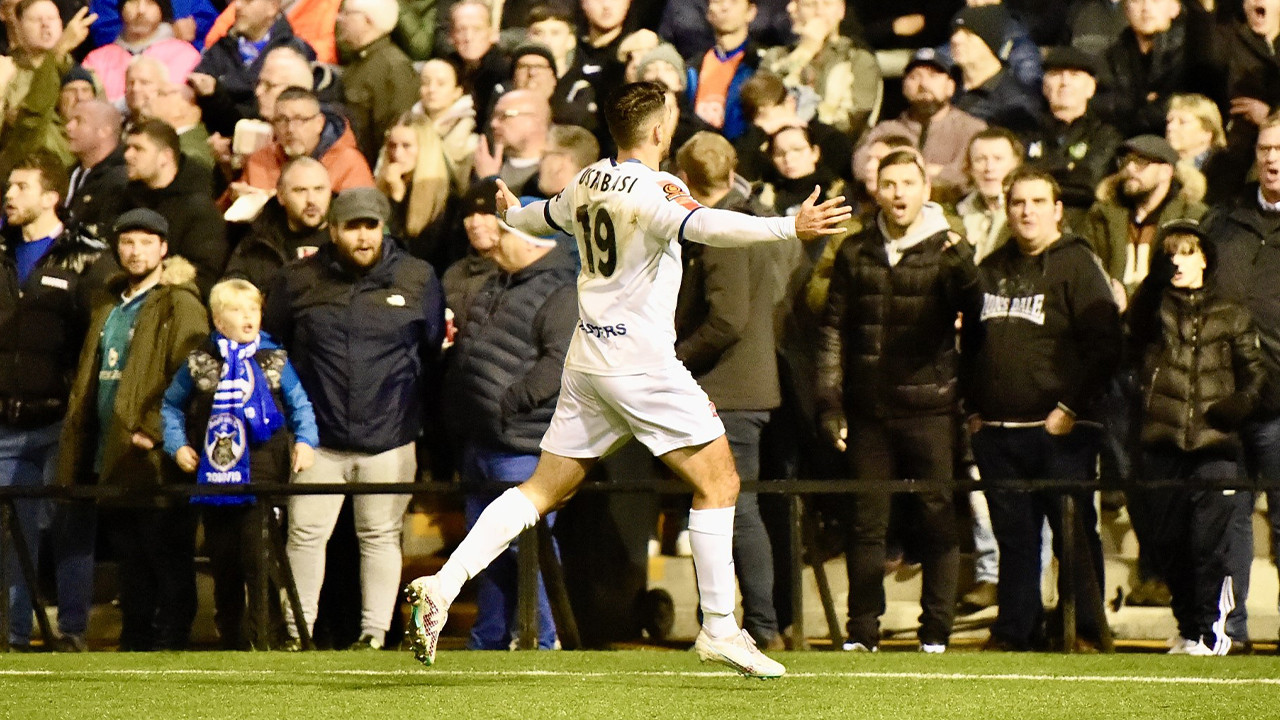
[[1064, 246]]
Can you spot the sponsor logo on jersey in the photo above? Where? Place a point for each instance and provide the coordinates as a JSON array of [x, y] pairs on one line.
[[679, 196], [602, 331]]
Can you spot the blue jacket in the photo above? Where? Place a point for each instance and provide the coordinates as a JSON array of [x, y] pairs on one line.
[[735, 122], [108, 25], [297, 407], [365, 344]]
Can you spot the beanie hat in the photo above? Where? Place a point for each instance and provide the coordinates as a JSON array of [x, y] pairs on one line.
[[988, 22]]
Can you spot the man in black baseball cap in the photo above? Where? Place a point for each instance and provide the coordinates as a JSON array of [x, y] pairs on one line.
[[468, 275], [1072, 142]]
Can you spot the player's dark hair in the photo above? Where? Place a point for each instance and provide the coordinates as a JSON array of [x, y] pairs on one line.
[[631, 110], [905, 156]]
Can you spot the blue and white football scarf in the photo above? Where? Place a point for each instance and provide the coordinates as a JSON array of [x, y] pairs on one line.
[[243, 414]]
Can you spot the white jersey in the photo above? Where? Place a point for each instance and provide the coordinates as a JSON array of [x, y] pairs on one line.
[[628, 220]]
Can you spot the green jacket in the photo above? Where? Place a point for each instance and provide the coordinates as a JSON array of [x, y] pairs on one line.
[[171, 323], [37, 124], [379, 85], [415, 32], [1106, 227]]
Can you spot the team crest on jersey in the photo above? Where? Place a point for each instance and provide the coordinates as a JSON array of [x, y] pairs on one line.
[[712, 407], [679, 196]]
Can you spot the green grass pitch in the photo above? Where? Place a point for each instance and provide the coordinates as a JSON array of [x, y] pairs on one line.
[[639, 684]]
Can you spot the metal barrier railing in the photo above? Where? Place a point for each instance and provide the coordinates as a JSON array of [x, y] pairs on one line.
[[536, 552]]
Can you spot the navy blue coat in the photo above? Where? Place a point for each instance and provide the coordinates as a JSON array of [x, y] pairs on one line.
[[365, 345]]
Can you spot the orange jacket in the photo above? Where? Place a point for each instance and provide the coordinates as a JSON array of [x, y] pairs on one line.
[[344, 161], [312, 20]]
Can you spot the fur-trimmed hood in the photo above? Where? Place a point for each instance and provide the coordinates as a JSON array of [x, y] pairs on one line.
[[176, 272], [1187, 182]]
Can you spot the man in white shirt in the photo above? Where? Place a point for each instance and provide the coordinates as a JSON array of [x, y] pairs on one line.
[[622, 377]]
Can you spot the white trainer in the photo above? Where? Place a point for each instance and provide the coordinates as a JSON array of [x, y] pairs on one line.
[[428, 612], [1182, 646], [932, 648], [739, 652], [1199, 649]]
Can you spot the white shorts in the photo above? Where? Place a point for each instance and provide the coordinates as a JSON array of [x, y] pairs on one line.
[[664, 409]]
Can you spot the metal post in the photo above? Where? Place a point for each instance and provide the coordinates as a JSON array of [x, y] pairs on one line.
[[824, 586], [286, 580], [1066, 573], [261, 635], [795, 526], [28, 569], [553, 578], [527, 590]]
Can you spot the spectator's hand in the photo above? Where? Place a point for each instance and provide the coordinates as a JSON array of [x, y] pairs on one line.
[[185, 29], [836, 430], [974, 424], [1251, 109], [74, 32], [814, 221], [140, 440], [392, 180], [304, 456], [220, 149], [908, 25], [8, 69], [243, 188], [506, 200], [203, 84], [1059, 422], [488, 164], [1229, 413], [187, 458]]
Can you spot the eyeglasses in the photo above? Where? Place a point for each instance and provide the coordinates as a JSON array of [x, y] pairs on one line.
[[289, 122]]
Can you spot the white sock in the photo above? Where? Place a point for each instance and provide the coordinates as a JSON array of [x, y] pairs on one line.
[[496, 528], [711, 535]]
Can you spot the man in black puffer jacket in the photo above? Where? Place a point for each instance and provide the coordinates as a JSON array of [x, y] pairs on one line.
[[887, 362], [1202, 375], [48, 276], [1045, 342], [501, 390]]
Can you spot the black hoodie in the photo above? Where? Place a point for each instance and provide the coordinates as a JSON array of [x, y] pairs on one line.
[[196, 229], [1048, 334]]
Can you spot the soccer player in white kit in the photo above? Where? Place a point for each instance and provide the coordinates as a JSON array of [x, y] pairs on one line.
[[621, 376]]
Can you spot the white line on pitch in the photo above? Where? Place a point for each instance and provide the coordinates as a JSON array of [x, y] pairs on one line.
[[1137, 679]]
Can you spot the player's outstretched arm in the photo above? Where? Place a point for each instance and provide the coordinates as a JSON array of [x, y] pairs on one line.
[[726, 228], [817, 219], [530, 218]]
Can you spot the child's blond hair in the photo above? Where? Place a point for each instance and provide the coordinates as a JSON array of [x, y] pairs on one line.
[[227, 290]]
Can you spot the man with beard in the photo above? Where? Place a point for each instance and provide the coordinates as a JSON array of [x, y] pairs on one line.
[[49, 273], [887, 388], [292, 225], [940, 130], [1149, 191], [139, 335], [162, 179]]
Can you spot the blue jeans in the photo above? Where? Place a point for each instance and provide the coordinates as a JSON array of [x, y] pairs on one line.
[[496, 586], [1017, 517], [29, 458], [752, 553]]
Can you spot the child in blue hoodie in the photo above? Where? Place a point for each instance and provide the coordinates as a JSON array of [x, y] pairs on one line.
[[236, 393]]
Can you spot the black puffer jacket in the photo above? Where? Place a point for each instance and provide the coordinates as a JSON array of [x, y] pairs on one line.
[[43, 323], [270, 245], [196, 228], [504, 373], [887, 346], [1208, 353]]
